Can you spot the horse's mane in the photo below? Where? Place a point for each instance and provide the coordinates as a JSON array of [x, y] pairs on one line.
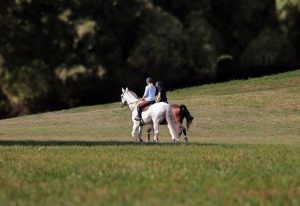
[[133, 94]]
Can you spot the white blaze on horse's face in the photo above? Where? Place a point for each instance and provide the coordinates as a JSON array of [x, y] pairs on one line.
[[123, 101]]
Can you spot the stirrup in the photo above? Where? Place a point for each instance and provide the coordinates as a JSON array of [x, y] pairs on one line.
[[137, 118]]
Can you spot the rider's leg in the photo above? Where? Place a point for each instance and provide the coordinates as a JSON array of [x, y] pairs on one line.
[[139, 110]]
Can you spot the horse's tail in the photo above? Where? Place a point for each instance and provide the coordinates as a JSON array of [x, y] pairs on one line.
[[172, 124], [185, 113]]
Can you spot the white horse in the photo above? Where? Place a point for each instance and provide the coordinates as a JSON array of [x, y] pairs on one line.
[[156, 114]]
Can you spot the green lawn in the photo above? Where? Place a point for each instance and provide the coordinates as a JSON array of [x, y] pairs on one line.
[[244, 150], [194, 174]]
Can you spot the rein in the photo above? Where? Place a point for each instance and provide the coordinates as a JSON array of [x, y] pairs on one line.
[[131, 102]]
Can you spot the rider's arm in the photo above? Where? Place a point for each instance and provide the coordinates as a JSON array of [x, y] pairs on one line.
[[146, 93], [158, 97]]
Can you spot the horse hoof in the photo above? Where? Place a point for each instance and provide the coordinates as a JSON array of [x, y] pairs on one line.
[[140, 140], [176, 141]]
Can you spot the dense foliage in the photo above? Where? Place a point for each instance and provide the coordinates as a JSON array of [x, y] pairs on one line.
[[63, 53]]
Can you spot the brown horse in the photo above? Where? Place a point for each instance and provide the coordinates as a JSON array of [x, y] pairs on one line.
[[179, 113]]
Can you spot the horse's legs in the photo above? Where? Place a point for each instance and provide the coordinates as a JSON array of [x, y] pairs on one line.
[[185, 136], [140, 133], [149, 131], [156, 131], [181, 130], [134, 127]]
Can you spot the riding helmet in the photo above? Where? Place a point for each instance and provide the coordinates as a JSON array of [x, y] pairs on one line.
[[158, 84], [149, 79]]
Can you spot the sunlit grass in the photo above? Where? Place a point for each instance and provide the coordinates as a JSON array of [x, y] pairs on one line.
[[244, 150], [264, 110], [132, 175]]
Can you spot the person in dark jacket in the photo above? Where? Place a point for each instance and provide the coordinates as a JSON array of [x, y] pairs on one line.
[[161, 92]]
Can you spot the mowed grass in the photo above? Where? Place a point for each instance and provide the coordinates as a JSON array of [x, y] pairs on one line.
[[195, 174], [244, 150]]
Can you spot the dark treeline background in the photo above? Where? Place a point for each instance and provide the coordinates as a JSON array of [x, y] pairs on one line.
[[58, 54]]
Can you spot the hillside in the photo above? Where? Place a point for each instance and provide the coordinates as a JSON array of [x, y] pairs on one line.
[[260, 110], [244, 150]]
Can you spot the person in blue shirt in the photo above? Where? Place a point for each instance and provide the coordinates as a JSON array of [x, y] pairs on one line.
[[147, 99]]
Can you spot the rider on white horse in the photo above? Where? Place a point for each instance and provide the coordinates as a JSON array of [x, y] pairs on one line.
[[147, 99], [161, 92], [156, 114]]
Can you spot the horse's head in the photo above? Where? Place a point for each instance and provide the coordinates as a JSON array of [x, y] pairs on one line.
[[123, 97], [128, 97]]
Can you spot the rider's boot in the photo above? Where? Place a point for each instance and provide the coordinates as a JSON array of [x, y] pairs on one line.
[[139, 116]]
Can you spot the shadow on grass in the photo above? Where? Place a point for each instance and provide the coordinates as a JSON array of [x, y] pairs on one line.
[[91, 143]]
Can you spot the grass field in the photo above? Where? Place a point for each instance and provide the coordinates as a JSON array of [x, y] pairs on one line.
[[244, 150]]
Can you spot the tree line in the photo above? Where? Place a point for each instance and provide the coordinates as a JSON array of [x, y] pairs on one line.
[[58, 54]]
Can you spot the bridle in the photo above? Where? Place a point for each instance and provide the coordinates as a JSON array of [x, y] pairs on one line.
[[134, 102]]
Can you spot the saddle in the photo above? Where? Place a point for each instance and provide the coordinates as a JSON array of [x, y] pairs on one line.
[[145, 108]]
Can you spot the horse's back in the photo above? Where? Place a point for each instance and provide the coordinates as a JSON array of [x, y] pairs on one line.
[[158, 106], [158, 109]]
